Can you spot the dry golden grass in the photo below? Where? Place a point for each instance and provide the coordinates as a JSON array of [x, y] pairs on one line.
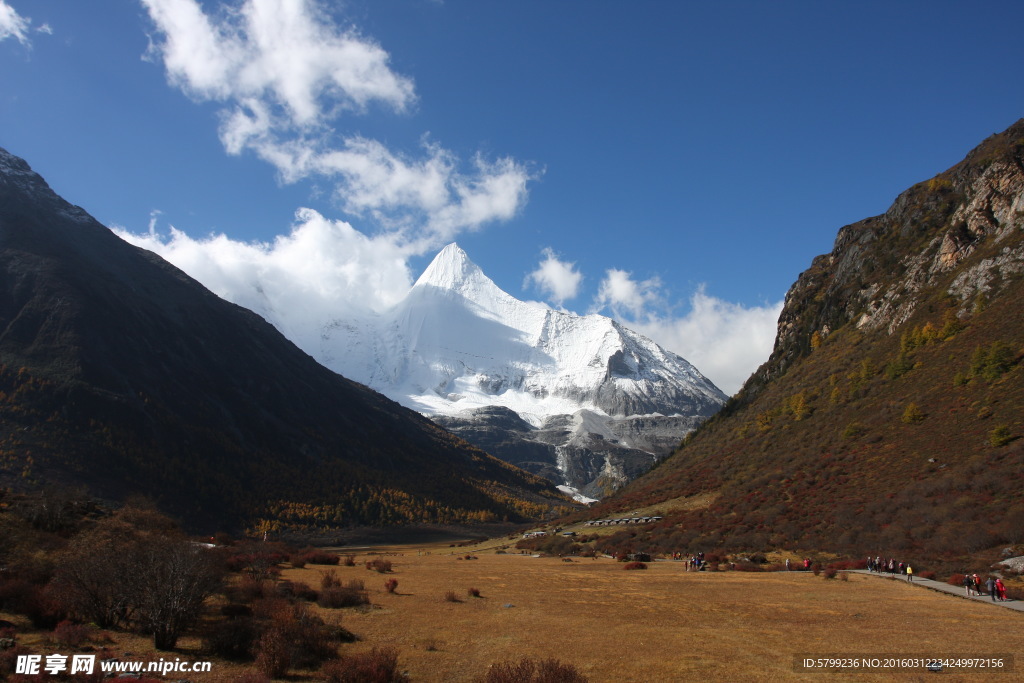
[[661, 624]]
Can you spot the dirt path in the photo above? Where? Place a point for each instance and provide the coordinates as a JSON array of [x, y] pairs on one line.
[[943, 587]]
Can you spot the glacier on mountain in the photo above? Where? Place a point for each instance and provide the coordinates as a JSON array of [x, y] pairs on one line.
[[457, 347], [458, 342]]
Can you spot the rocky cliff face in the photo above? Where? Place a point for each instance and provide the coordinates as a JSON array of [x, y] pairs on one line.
[[877, 268]]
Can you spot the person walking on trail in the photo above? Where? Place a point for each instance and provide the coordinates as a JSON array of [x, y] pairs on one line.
[[991, 585], [910, 573], [968, 585], [1001, 590]]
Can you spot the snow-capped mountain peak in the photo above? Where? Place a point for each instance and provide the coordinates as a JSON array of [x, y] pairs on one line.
[[458, 344], [452, 269]]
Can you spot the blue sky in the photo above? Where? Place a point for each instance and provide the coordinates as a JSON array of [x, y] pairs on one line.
[[673, 164]]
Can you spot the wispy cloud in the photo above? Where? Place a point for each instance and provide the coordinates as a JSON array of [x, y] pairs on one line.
[[286, 74], [13, 25], [620, 294], [726, 341], [558, 280]]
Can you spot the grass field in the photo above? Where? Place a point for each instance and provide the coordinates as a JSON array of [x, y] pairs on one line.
[[653, 625], [658, 624]]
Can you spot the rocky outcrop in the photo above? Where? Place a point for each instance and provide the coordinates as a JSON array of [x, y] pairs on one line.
[[878, 267], [590, 453]]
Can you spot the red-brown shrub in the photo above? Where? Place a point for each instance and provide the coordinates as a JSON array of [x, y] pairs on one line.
[[380, 665], [530, 671], [297, 590], [273, 657], [250, 589], [352, 594], [391, 585], [956, 580], [635, 565], [9, 660], [232, 638], [315, 556], [379, 565], [71, 634], [474, 592], [349, 561]]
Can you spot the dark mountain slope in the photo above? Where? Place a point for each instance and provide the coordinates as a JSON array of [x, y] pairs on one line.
[[889, 417], [122, 373]]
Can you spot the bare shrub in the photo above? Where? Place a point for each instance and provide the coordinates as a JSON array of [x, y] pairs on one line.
[[329, 579], [380, 665], [379, 565], [391, 585], [635, 565], [349, 561], [133, 569], [474, 592], [450, 596], [297, 638], [9, 659], [273, 656], [296, 590], [351, 595], [232, 638], [174, 578], [316, 556], [250, 589], [71, 634], [530, 671]]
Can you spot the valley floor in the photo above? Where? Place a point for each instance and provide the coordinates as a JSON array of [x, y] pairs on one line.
[[661, 624], [658, 624]]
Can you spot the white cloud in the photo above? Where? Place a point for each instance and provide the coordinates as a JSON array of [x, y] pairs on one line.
[[284, 52], [725, 341], [623, 295], [558, 280], [285, 72], [13, 25], [321, 271]]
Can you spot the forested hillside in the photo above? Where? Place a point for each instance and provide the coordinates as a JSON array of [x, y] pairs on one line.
[[121, 374]]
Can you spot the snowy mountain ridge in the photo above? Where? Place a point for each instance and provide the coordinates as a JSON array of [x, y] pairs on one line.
[[581, 400], [457, 342]]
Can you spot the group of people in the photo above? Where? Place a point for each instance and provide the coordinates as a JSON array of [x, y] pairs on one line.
[[890, 566], [973, 586]]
